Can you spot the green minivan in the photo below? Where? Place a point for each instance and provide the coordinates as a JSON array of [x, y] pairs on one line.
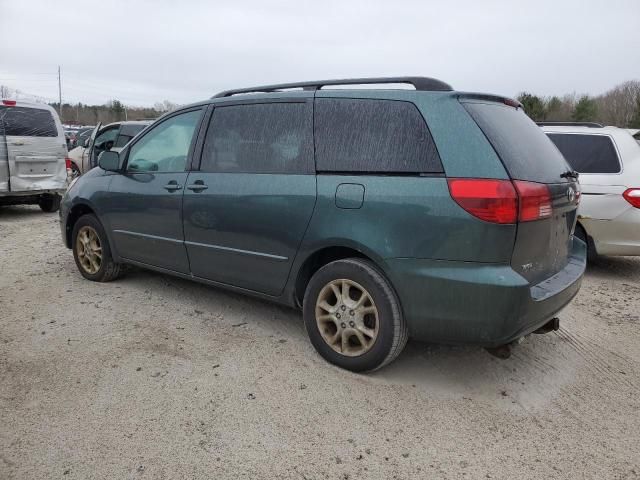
[[382, 214]]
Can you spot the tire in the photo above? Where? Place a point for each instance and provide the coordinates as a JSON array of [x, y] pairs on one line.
[[581, 233], [387, 332], [107, 269], [49, 202]]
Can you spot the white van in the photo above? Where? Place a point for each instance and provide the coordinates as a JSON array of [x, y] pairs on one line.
[[608, 160], [33, 150]]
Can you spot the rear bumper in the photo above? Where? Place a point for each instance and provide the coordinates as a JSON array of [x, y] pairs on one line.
[[482, 304], [618, 236]]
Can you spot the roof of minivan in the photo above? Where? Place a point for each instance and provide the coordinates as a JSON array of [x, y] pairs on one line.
[[5, 102]]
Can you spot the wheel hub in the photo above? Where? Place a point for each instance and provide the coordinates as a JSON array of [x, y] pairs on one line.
[[354, 334]]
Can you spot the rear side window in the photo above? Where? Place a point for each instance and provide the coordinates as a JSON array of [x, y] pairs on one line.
[[587, 153], [376, 136], [524, 149], [28, 122], [260, 138]]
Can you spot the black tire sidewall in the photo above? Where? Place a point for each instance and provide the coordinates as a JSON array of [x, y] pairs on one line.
[[92, 221], [352, 270], [49, 202]]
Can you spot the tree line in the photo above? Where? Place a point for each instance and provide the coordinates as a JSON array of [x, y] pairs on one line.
[[619, 106]]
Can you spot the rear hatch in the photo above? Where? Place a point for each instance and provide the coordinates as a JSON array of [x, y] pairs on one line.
[[543, 245], [34, 147]]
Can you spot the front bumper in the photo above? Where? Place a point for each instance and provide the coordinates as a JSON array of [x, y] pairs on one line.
[[483, 304]]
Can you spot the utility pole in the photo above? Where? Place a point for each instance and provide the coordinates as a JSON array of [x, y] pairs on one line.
[[60, 92]]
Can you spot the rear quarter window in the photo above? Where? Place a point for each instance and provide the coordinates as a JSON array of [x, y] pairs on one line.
[[27, 122], [587, 153], [376, 136], [526, 152]]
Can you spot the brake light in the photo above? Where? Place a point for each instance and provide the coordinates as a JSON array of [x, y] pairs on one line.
[[535, 201], [632, 195], [9, 103], [491, 200], [67, 162], [502, 201]]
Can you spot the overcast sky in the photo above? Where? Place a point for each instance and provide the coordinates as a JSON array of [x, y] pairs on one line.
[[141, 52]]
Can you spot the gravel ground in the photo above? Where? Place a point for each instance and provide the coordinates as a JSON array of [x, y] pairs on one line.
[[159, 378]]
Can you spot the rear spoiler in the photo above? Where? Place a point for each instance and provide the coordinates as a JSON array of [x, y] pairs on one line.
[[490, 98]]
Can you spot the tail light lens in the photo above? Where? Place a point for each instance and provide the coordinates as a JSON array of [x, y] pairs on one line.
[[67, 162], [632, 195], [502, 201], [494, 201], [535, 201]]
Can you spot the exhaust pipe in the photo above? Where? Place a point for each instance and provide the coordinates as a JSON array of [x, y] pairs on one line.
[[552, 325], [504, 351]]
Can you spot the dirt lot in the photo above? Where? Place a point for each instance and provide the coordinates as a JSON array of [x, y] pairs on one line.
[[158, 378]]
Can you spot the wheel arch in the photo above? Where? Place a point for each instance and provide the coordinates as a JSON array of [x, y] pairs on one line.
[[75, 212], [321, 256]]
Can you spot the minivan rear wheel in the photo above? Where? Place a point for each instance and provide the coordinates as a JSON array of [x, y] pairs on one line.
[[91, 251], [353, 317], [49, 202]]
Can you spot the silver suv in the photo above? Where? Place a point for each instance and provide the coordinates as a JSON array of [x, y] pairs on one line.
[[32, 155]]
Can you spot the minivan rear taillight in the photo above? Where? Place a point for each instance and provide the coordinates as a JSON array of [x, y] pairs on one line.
[[534, 199], [502, 201], [632, 195], [67, 162]]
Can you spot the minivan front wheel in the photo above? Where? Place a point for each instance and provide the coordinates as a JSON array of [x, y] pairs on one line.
[[353, 317], [91, 251]]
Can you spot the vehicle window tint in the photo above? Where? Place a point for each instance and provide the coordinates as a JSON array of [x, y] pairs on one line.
[[587, 153], [165, 147], [28, 122], [259, 138], [106, 138], [122, 140], [373, 136], [524, 149]]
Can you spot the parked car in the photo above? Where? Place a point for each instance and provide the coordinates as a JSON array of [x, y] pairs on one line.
[[32, 155], [112, 136], [608, 159], [382, 214]]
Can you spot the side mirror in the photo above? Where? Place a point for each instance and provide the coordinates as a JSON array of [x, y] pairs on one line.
[[109, 161]]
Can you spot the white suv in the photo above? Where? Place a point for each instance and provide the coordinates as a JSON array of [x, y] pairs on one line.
[[608, 160]]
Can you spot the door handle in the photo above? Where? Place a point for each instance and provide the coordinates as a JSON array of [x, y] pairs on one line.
[[172, 186], [197, 186]]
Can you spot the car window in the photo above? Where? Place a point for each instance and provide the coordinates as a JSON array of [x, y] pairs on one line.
[[260, 138], [165, 147], [587, 153], [357, 135], [521, 145], [106, 138], [127, 132], [27, 122]]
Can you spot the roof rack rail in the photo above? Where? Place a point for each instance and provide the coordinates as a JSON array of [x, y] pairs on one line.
[[419, 83], [570, 124]]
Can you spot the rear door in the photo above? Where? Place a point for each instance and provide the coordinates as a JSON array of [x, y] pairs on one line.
[[543, 246], [248, 206], [34, 150]]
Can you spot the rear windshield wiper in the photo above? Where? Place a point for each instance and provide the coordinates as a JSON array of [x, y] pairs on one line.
[[570, 174]]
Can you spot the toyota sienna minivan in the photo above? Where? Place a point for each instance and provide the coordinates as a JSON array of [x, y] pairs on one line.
[[382, 214]]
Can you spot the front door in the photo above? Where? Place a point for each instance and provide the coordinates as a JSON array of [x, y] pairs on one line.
[[247, 208], [144, 209]]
